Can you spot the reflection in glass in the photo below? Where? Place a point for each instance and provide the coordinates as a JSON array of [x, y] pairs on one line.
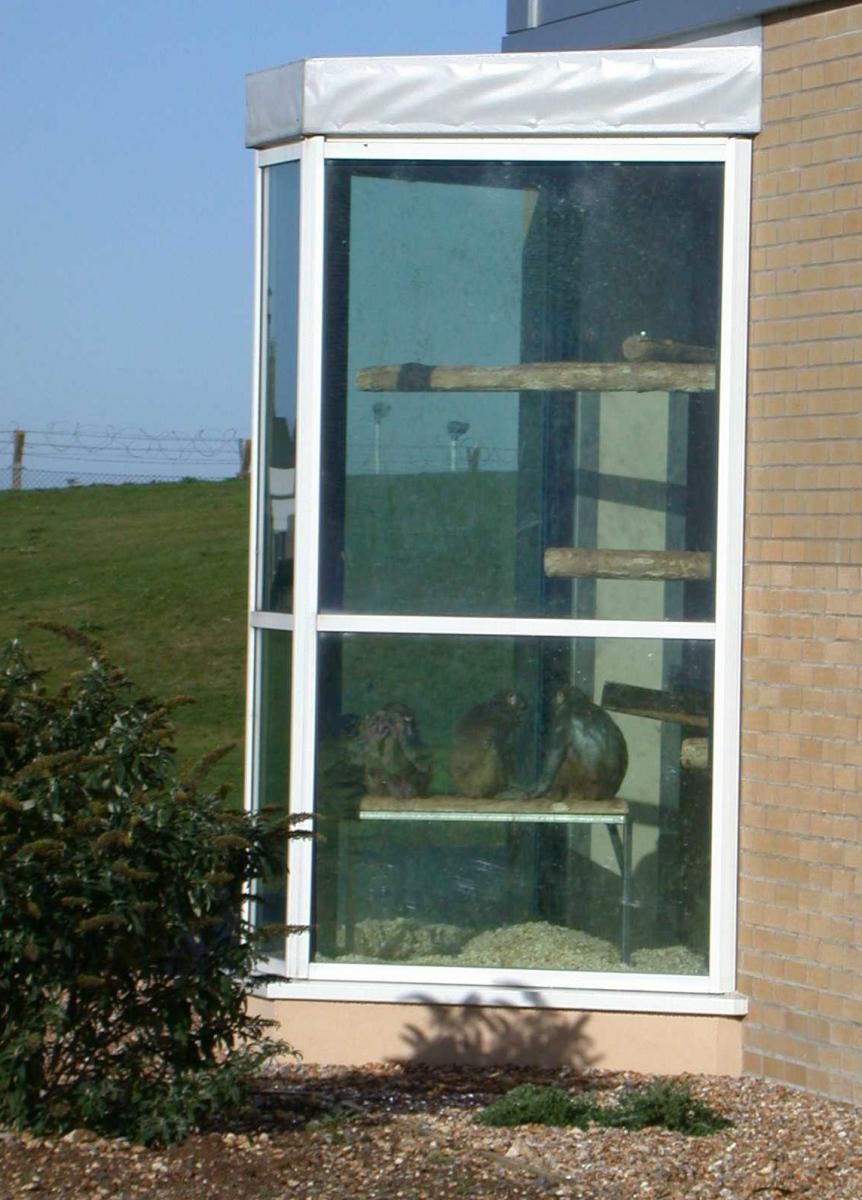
[[273, 768], [447, 481], [513, 802], [279, 384]]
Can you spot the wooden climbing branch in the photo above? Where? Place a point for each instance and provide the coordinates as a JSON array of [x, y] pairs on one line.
[[567, 562], [681, 708], [541, 377], [640, 348], [694, 753]]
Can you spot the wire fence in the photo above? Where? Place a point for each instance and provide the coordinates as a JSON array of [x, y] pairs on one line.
[[65, 456], [77, 455]]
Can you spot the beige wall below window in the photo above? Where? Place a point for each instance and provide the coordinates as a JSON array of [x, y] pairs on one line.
[[350, 1034]]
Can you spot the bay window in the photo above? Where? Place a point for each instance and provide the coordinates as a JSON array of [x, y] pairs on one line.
[[495, 593]]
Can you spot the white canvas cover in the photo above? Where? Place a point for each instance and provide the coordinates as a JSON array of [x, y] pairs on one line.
[[681, 90]]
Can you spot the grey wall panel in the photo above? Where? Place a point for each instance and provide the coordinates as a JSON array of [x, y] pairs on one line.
[[520, 14], [590, 24]]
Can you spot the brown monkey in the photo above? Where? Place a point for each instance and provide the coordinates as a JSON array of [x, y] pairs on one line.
[[586, 756], [482, 758], [393, 757]]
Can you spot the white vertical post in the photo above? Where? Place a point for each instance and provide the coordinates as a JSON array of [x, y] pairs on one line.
[[728, 575], [253, 637], [308, 433]]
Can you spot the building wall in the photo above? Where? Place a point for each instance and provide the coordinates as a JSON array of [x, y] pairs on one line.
[[589, 24], [347, 1033], [801, 851]]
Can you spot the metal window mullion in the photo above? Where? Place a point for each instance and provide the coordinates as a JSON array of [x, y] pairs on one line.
[[252, 670], [529, 149], [273, 155], [261, 619], [251, 769], [489, 977], [308, 425], [729, 563], [560, 627]]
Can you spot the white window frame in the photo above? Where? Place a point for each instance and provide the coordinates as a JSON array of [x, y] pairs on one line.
[[612, 991]]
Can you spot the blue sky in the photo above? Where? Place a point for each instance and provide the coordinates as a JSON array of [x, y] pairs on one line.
[[126, 205]]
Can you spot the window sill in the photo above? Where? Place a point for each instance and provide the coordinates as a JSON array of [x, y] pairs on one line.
[[727, 1004]]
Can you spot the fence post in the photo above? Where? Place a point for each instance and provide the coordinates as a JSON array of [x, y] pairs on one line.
[[18, 460], [244, 458]]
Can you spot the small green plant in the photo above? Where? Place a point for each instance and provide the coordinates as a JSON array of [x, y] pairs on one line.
[[668, 1104], [531, 1104], [124, 952]]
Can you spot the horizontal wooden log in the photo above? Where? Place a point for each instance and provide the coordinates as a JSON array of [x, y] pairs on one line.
[[568, 562], [541, 377], [640, 348], [694, 754], [681, 708]]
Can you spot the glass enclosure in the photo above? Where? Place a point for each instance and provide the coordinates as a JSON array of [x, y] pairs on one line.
[[506, 659]]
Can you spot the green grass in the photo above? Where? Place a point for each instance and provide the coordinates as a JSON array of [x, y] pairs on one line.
[[158, 574]]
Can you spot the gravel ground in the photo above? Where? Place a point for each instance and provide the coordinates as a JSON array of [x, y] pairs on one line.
[[384, 1132]]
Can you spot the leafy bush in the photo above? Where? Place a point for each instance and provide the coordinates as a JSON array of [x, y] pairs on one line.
[[668, 1104], [124, 954]]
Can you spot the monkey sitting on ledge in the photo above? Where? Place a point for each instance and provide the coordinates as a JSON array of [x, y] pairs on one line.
[[393, 758], [586, 756], [482, 758]]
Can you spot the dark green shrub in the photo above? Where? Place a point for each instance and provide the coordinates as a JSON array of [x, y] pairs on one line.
[[531, 1104], [124, 954], [666, 1103]]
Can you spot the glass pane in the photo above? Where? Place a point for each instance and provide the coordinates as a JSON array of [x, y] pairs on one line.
[[273, 768], [461, 479], [279, 384], [514, 802]]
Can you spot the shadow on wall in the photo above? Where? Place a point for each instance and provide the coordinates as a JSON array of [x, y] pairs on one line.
[[505, 1034]]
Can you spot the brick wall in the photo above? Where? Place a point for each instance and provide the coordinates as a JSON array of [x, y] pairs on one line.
[[801, 850]]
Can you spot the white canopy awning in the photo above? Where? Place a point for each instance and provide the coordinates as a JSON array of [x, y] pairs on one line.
[[682, 90]]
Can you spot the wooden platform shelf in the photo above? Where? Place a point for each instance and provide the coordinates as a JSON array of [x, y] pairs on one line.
[[541, 377]]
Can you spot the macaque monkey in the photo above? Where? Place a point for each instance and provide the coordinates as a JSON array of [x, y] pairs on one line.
[[393, 757], [586, 756], [482, 758]]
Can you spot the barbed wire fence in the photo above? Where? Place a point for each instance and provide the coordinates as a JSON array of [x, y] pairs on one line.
[[63, 455]]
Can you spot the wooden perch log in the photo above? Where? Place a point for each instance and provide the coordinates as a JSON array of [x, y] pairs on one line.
[[640, 348], [541, 377], [694, 754], [567, 562], [681, 708]]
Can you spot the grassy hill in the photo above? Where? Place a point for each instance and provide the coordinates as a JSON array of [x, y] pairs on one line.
[[157, 573]]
